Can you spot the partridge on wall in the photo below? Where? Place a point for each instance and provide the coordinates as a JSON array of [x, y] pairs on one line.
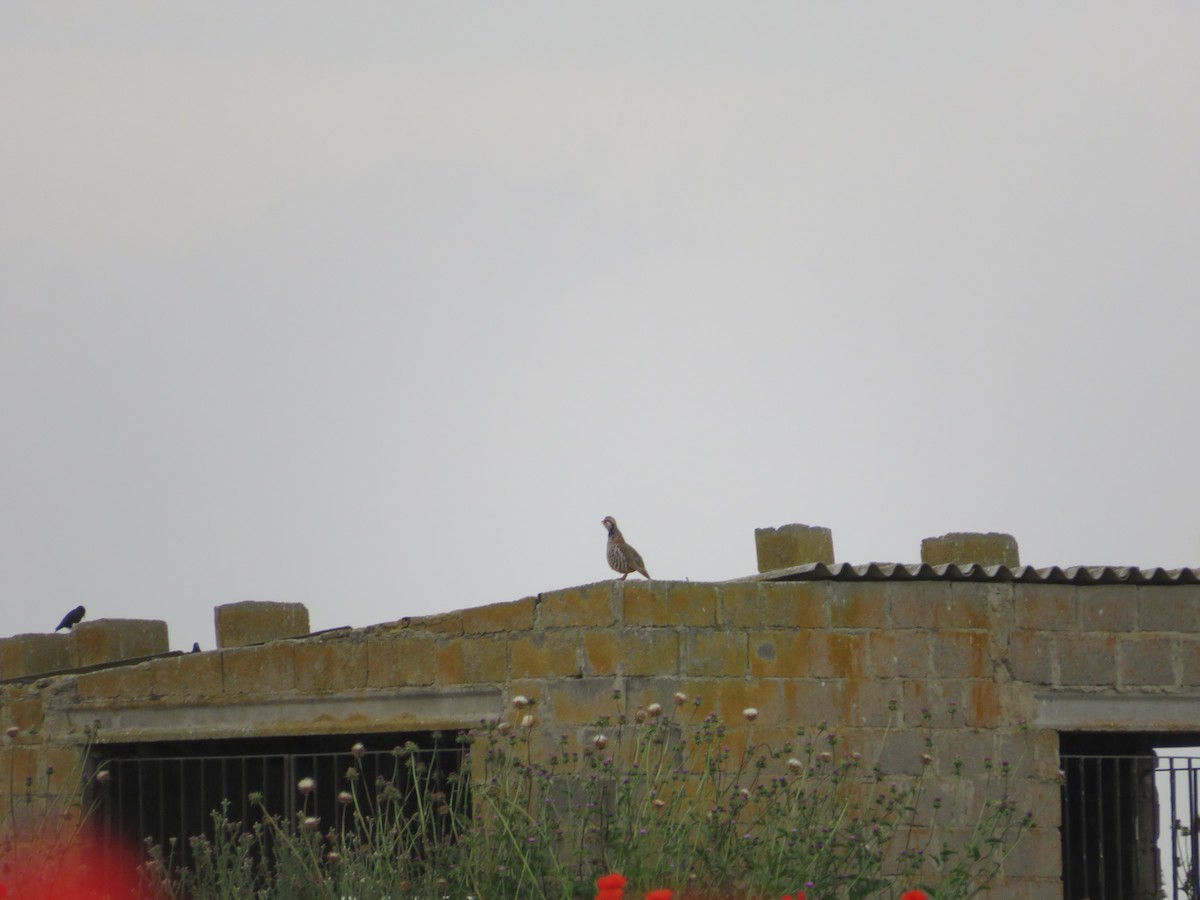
[[71, 619], [621, 556]]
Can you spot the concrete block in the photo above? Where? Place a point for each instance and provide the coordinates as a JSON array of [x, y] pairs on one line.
[[810, 702], [866, 702], [741, 605], [256, 622], [189, 675], [1108, 607], [582, 701], [126, 682], [516, 615], [399, 660], [23, 708], [264, 669], [631, 651], [471, 660], [920, 604], [330, 665], [110, 640], [1031, 656], [439, 623], [545, 655], [1175, 608], [1046, 607], [1189, 658], [1088, 659], [706, 652], [780, 653], [858, 605], [961, 654], [591, 604], [965, 547], [839, 654], [33, 654], [730, 697], [900, 654], [1146, 661], [795, 604], [985, 705], [793, 545], [667, 603]]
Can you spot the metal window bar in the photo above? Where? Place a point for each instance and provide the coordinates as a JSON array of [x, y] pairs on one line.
[[140, 803], [1130, 827]]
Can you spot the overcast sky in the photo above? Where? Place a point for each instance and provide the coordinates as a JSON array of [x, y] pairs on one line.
[[381, 307]]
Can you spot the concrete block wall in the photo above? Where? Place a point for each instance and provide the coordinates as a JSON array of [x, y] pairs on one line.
[[885, 664]]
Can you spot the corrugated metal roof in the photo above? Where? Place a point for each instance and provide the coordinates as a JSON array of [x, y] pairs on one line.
[[1077, 575]]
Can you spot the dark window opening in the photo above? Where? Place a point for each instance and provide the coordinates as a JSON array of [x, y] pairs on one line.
[[164, 792], [1129, 814]]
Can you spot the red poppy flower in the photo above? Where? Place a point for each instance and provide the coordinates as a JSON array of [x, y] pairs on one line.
[[660, 894], [611, 886], [914, 895]]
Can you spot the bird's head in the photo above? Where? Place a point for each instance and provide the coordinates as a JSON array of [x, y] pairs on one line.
[[609, 523]]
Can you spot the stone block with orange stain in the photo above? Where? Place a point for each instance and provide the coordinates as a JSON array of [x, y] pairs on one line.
[[934, 703], [582, 701], [812, 701], [1046, 607], [961, 654], [729, 698], [900, 654], [33, 654], [400, 659], [631, 651], [471, 660], [335, 664], [792, 545], [545, 654], [839, 654], [1031, 656], [110, 640], [1089, 658], [667, 603], [1111, 607], [741, 604], [186, 675], [126, 682], [438, 623], [21, 763], [795, 604], [869, 702], [586, 605], [515, 615], [919, 604], [262, 669], [963, 548], [1174, 609], [1147, 660], [258, 621], [985, 708], [23, 707], [861, 604], [709, 652], [780, 653]]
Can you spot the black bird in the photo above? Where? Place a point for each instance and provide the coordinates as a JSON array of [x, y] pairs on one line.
[[195, 646], [71, 619]]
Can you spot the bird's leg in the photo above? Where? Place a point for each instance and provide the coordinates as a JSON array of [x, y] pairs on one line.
[[623, 577]]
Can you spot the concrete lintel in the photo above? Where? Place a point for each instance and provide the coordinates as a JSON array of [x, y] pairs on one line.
[[1062, 711], [404, 709]]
